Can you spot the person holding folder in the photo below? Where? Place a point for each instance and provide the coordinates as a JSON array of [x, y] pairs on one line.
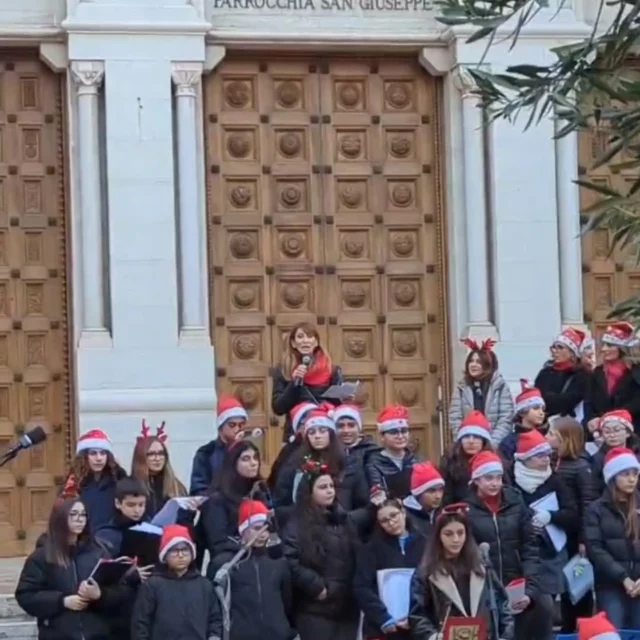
[[55, 584]]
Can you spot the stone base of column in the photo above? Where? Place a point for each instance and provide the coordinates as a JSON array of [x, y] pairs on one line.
[[195, 337], [95, 339], [480, 331]]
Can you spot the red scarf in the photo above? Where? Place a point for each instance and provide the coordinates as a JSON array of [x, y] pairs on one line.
[[320, 372], [567, 365], [493, 502], [614, 372]]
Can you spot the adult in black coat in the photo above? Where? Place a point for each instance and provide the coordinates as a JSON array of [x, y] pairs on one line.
[[320, 544], [56, 573], [615, 384], [295, 382], [393, 545], [612, 533], [499, 517], [572, 465]]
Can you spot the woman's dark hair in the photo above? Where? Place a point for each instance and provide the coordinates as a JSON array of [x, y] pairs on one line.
[[312, 524], [434, 559], [82, 471], [228, 481], [56, 545], [628, 506], [489, 364], [455, 464], [333, 455]]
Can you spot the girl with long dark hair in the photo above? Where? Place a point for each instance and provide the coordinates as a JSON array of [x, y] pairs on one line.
[[55, 586], [612, 533], [320, 444], [393, 545], [474, 436], [93, 477], [320, 545], [483, 389], [451, 582]]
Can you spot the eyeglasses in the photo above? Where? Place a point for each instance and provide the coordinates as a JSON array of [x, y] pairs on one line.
[[612, 431], [390, 518], [181, 550], [156, 454], [397, 432], [77, 515]]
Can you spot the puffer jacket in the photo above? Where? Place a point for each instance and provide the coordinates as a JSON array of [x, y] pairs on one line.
[[379, 465], [335, 574], [613, 555], [513, 547], [498, 407], [360, 452]]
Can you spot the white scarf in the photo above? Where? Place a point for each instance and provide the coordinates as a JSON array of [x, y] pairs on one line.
[[530, 479]]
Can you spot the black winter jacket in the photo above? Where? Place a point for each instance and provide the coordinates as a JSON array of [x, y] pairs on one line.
[[206, 464], [382, 552], [286, 395], [420, 520], [360, 452], [626, 395], [261, 596], [99, 497], [613, 555], [379, 465], [509, 445], [431, 605], [578, 478], [169, 607], [513, 547], [335, 573], [562, 391], [43, 586]]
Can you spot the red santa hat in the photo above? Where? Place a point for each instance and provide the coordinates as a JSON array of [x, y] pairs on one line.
[[573, 339], [619, 459], [619, 416], [298, 414], [485, 463], [425, 476], [318, 418], [393, 417], [251, 512], [528, 398], [621, 334], [229, 407], [531, 443], [475, 424], [349, 411], [94, 439], [597, 628], [173, 535]]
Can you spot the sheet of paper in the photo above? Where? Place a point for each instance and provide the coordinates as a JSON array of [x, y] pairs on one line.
[[394, 590], [169, 513], [147, 527], [556, 534], [342, 392]]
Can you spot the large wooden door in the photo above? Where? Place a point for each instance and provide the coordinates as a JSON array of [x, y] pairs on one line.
[[34, 377], [323, 206]]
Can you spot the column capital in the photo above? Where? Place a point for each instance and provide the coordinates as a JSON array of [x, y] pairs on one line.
[[87, 75], [464, 82], [185, 76]]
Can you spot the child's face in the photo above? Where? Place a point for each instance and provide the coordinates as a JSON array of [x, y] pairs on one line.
[[179, 557], [97, 460], [471, 445], [348, 431], [614, 435], [318, 437], [250, 533], [533, 418], [132, 507], [431, 499], [396, 439]]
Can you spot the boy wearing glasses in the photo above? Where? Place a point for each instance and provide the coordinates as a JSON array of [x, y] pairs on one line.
[[177, 602]]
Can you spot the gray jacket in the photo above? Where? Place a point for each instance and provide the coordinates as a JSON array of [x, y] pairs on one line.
[[498, 408]]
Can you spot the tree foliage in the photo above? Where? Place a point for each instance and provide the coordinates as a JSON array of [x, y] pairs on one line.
[[592, 84]]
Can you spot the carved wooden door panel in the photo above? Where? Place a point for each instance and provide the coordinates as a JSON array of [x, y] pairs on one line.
[[323, 208], [34, 380]]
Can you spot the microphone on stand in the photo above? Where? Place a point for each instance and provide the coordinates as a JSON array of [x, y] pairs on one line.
[[306, 361], [26, 441], [484, 548]]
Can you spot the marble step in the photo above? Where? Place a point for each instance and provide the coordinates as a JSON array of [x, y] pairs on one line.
[[18, 630]]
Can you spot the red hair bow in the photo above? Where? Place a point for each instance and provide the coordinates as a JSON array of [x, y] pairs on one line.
[[145, 432], [456, 509], [485, 345]]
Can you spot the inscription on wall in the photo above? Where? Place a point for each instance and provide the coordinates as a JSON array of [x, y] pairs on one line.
[[325, 5]]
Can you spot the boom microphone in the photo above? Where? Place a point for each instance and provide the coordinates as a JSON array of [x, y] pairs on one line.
[[306, 361], [26, 441], [484, 553]]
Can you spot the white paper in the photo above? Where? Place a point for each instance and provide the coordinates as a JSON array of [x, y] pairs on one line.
[[147, 527], [556, 534], [394, 586], [591, 448], [169, 513], [516, 593], [342, 391]]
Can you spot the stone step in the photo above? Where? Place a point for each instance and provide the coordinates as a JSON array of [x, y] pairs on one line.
[[18, 630], [10, 610]]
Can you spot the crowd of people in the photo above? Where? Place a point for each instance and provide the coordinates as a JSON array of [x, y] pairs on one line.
[[527, 486]]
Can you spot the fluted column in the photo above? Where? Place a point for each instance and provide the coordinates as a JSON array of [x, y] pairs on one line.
[[569, 246], [475, 203], [186, 78], [87, 77]]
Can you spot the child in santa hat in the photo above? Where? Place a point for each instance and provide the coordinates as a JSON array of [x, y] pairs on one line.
[[530, 414], [231, 420], [93, 477], [612, 535], [597, 627], [177, 602], [427, 491], [349, 427], [395, 457], [260, 585]]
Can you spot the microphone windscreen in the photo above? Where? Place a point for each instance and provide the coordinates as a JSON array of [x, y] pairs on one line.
[[306, 360], [36, 436]]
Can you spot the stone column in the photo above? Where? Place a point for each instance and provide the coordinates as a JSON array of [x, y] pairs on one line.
[[87, 77], [475, 204], [186, 78], [569, 246]]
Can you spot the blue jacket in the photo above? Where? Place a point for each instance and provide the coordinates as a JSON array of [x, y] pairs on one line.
[[99, 499], [206, 464]]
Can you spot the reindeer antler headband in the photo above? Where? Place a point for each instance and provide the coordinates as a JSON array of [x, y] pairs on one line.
[[485, 345], [145, 432]]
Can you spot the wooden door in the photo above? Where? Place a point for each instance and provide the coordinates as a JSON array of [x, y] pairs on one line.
[[323, 206], [34, 376]]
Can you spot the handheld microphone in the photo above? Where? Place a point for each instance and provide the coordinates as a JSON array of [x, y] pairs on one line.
[[306, 361], [26, 441], [484, 553]]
